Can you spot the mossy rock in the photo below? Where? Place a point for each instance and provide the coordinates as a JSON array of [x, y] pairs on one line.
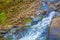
[[27, 26], [41, 16], [27, 21]]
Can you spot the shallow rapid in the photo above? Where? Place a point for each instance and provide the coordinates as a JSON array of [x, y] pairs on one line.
[[40, 30]]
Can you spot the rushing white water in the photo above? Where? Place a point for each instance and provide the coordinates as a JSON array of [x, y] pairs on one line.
[[40, 30]]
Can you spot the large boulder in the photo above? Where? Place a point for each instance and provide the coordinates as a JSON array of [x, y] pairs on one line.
[[55, 29]]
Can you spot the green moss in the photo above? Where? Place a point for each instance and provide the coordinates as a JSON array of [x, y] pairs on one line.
[[41, 17], [9, 39], [28, 20], [27, 26]]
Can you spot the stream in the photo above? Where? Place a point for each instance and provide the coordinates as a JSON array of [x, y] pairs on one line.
[[40, 30]]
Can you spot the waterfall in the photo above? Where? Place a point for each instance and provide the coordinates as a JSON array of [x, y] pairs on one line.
[[40, 30]]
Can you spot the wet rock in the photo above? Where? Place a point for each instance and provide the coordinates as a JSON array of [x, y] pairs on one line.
[[56, 22], [27, 22], [43, 12], [18, 34], [55, 28], [44, 6], [35, 20]]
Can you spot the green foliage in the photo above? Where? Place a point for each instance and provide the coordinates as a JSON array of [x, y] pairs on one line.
[[7, 1], [2, 17]]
